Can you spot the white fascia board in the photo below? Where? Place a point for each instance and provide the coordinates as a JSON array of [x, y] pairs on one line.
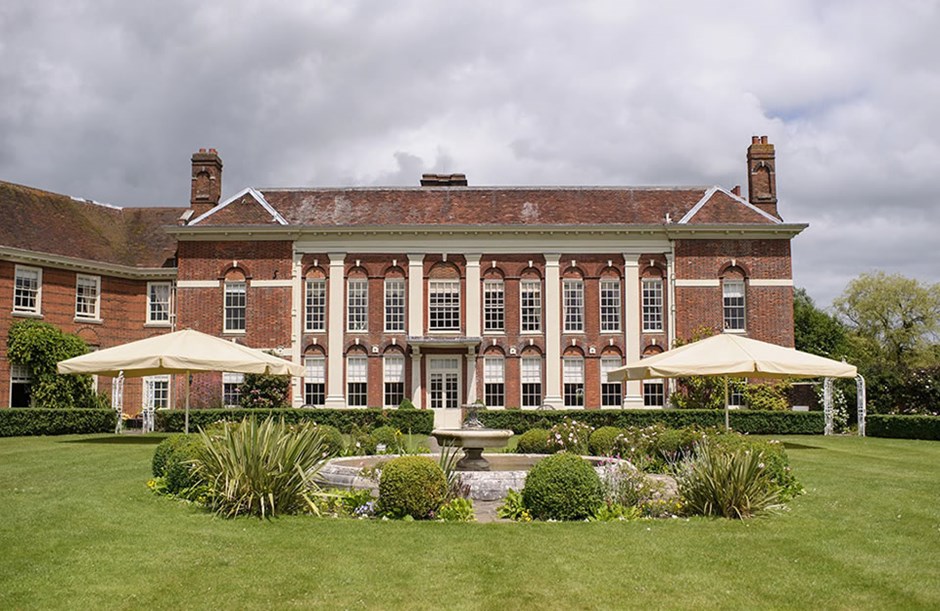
[[29, 257], [711, 192], [258, 197]]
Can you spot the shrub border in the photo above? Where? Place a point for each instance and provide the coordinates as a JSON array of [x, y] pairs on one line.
[[419, 422], [903, 426], [32, 421]]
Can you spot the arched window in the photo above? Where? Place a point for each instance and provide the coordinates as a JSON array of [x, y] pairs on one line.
[[444, 298], [530, 377], [395, 301], [733, 300], [654, 391], [652, 288], [494, 379], [611, 390], [494, 302], [393, 366], [357, 301], [573, 302], [573, 376], [315, 301], [236, 301], [530, 302], [610, 301], [357, 379], [314, 377]]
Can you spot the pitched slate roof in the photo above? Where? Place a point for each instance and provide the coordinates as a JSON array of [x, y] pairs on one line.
[[55, 224], [482, 206]]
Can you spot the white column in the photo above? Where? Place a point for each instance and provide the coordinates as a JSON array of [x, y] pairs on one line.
[[335, 391], [553, 331], [297, 325], [670, 384], [416, 376], [471, 374], [473, 296], [631, 278], [415, 295]]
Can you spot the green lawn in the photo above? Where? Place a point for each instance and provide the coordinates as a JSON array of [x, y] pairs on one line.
[[79, 529]]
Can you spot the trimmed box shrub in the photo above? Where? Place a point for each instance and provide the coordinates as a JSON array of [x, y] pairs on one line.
[[603, 441], [903, 427], [28, 421], [562, 487], [533, 441], [412, 486], [173, 460], [742, 420], [417, 421]]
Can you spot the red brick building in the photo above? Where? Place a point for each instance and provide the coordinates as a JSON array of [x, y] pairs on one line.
[[442, 294]]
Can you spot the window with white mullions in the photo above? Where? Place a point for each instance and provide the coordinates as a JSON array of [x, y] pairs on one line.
[[315, 305], [494, 381], [573, 302], [156, 392], [27, 290], [654, 393], [610, 305], [235, 306], [652, 304], [573, 375], [494, 306], [394, 305], [87, 296], [734, 305], [231, 388], [357, 305], [611, 390], [158, 302], [357, 377], [314, 380], [394, 365], [21, 385], [444, 305], [531, 379], [530, 305], [443, 382]]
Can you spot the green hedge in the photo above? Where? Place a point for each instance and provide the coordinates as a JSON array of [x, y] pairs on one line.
[[903, 427], [43, 421], [417, 421], [743, 421]]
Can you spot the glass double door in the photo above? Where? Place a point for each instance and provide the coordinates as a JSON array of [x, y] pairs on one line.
[[444, 382]]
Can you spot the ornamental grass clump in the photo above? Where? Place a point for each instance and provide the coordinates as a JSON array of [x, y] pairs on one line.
[[729, 484], [261, 469], [562, 487]]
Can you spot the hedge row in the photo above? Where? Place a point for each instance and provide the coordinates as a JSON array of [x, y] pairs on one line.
[[903, 427], [743, 421], [417, 421], [19, 421]]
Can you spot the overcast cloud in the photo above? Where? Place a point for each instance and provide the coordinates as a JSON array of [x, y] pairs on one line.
[[107, 100]]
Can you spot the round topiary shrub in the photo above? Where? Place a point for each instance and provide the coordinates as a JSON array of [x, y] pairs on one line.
[[172, 460], [332, 439], [605, 441], [562, 487], [162, 453], [388, 436], [533, 441], [411, 486]]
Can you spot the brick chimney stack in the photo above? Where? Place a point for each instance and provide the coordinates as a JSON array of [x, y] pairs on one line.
[[761, 175], [207, 181], [443, 180]]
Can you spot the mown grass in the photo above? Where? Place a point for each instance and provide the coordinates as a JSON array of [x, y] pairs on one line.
[[78, 528]]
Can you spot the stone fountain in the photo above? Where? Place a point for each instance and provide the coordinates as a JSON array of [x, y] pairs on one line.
[[473, 437]]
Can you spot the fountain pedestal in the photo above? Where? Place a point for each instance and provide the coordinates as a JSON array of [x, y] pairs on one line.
[[473, 442]]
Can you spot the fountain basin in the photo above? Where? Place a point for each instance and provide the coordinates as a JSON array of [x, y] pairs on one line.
[[507, 471], [473, 441]]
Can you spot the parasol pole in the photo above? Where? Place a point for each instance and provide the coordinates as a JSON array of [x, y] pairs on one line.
[[186, 416], [727, 417]]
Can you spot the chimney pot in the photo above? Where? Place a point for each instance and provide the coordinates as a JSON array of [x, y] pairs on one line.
[[755, 139], [202, 150], [763, 139]]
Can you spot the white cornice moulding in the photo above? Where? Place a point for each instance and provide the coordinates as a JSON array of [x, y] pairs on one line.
[[113, 270], [698, 282], [770, 282], [270, 283], [197, 284]]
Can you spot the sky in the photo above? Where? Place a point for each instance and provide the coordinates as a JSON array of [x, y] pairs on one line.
[[107, 100]]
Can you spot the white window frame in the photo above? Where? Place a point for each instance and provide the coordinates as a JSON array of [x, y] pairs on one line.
[[494, 306], [732, 312], [153, 305], [446, 367], [152, 381], [610, 305], [315, 305], [232, 379], [608, 364], [234, 288], [530, 314], [573, 374], [652, 297], [20, 374], [393, 372], [357, 372], [93, 282], [314, 374], [34, 294], [443, 306], [654, 390], [357, 305], [530, 372], [494, 373], [573, 305], [395, 305]]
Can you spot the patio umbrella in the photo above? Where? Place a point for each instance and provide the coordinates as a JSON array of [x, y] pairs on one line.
[[732, 355], [183, 352]]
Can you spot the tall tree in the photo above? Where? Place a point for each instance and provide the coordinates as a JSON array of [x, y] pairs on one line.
[[895, 319], [815, 330]]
